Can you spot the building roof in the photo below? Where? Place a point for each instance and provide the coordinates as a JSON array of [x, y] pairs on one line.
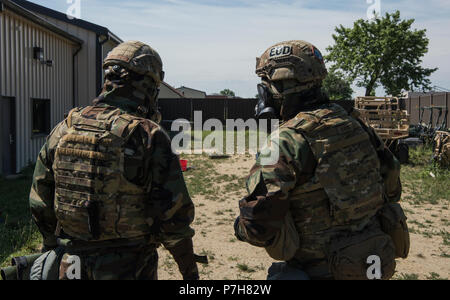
[[173, 89], [187, 88], [20, 10], [36, 8]]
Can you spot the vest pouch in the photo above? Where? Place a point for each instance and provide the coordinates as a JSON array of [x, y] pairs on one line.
[[286, 243], [393, 223], [81, 221], [348, 255]]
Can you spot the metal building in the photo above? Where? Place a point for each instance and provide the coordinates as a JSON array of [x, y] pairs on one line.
[[97, 42], [191, 93], [48, 65]]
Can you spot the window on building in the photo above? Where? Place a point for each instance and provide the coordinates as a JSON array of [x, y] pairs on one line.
[[41, 116]]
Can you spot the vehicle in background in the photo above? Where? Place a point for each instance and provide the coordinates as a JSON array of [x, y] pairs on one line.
[[390, 122]]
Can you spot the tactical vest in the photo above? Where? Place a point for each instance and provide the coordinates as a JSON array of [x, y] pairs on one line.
[[346, 191], [93, 199]]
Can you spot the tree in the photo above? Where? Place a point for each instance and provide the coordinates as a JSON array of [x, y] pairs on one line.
[[385, 52], [337, 86], [228, 93]]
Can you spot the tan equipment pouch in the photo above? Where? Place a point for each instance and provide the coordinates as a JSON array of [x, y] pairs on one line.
[[348, 256], [393, 223]]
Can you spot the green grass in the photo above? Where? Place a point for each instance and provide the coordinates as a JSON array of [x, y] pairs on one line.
[[435, 276], [407, 277], [19, 236], [245, 268], [418, 180]]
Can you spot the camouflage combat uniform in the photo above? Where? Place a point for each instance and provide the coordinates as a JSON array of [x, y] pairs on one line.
[[108, 182], [442, 149], [333, 177]]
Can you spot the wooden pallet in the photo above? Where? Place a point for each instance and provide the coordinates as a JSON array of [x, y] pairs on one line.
[[385, 116]]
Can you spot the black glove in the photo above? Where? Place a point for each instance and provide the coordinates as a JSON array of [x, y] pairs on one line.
[[237, 229]]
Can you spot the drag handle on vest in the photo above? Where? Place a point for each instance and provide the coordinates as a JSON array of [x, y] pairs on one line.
[[93, 219]]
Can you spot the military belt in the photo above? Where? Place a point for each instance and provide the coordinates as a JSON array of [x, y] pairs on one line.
[[104, 247]]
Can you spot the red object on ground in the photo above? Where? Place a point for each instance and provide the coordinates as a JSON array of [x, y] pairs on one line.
[[183, 164]]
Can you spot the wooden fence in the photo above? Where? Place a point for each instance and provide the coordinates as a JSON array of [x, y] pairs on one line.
[[221, 109]]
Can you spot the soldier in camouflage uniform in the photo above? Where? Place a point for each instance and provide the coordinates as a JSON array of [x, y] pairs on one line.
[[335, 183], [442, 149], [107, 186]]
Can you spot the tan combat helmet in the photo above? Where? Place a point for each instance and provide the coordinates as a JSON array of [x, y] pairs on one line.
[[137, 57], [292, 60]]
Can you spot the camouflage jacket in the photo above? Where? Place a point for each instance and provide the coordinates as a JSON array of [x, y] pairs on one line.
[[152, 162], [272, 187]]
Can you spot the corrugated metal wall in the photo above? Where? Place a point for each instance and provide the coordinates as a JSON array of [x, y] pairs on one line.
[[106, 48], [414, 104], [85, 63], [24, 78]]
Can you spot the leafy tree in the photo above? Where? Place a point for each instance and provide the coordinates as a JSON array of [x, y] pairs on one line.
[[228, 92], [385, 52], [337, 86]]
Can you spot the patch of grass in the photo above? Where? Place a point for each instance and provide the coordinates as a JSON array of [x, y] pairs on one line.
[[245, 268], [427, 234], [435, 276], [446, 237], [19, 235], [403, 276], [419, 182], [413, 230], [417, 223]]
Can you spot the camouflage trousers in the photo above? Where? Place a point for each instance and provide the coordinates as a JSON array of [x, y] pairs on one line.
[[119, 264]]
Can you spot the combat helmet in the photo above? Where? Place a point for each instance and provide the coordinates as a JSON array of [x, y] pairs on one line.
[[137, 57], [292, 60]]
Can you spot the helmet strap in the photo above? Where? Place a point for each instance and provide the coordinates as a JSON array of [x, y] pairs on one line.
[[299, 89]]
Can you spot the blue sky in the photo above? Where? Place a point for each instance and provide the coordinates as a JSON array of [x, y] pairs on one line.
[[212, 45]]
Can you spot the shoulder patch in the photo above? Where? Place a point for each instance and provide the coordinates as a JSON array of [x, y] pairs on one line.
[[317, 54]]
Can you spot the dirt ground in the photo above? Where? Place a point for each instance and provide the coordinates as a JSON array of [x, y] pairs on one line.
[[216, 186]]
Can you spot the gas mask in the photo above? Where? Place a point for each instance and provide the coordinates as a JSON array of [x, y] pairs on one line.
[[135, 87], [268, 107]]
